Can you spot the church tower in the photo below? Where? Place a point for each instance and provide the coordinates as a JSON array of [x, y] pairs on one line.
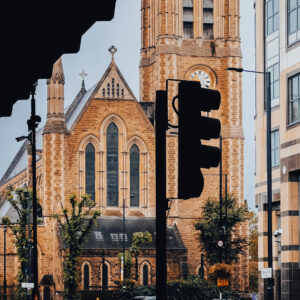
[[197, 40]]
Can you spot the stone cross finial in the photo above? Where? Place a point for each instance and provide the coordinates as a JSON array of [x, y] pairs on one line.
[[112, 50], [83, 74]]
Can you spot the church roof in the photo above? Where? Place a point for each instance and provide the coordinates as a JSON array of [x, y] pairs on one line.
[[107, 233], [73, 112]]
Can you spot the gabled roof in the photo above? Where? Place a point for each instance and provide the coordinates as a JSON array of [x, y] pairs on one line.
[[74, 111]]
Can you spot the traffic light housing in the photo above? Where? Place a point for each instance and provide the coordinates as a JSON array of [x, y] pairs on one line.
[[192, 127]]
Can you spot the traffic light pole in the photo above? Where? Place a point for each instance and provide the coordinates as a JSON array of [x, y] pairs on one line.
[[161, 126]]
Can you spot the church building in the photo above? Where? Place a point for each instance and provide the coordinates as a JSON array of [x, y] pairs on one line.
[[103, 144]]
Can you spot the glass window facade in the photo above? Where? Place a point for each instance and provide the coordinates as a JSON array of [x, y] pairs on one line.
[[272, 16], [293, 21], [274, 70], [134, 175], [90, 170], [112, 164], [294, 99], [275, 148]]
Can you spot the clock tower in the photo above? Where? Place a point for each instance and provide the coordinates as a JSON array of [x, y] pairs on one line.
[[197, 40]]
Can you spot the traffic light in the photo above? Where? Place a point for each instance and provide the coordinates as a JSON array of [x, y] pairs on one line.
[[192, 127]]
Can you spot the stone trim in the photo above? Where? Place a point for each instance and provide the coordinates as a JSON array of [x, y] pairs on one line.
[[289, 213], [289, 247], [290, 143], [265, 182]]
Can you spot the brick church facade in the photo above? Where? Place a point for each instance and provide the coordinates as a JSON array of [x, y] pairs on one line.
[[104, 145]]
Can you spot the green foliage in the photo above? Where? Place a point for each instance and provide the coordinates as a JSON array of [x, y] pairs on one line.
[[75, 223], [19, 201], [139, 238], [194, 288], [210, 230]]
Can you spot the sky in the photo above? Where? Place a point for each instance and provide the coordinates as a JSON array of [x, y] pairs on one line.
[[124, 33]]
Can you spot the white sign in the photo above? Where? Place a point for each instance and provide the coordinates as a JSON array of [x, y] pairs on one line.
[[266, 273], [220, 243], [27, 285]]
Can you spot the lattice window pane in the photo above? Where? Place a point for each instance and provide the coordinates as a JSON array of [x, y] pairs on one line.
[[112, 165], [134, 175], [90, 170]]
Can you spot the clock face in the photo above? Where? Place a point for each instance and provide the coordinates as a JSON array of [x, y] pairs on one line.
[[202, 77]]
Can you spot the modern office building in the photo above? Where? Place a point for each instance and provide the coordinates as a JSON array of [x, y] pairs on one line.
[[278, 52]]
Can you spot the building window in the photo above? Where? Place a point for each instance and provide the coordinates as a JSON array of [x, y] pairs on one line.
[[188, 19], [274, 78], [294, 99], [145, 275], [86, 277], [275, 148], [103, 93], [134, 175], [108, 90], [293, 21], [113, 88], [118, 90], [208, 19], [112, 164], [90, 170], [104, 276], [122, 93], [272, 16]]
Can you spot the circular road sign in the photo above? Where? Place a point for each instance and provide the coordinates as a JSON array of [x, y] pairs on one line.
[[220, 243]]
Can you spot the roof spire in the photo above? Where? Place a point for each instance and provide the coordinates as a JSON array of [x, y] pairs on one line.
[[112, 50], [82, 75]]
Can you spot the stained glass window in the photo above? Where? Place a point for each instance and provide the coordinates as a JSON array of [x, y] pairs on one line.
[[112, 165], [134, 175], [90, 170]]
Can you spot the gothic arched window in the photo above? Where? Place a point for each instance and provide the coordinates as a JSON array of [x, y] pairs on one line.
[[86, 277], [104, 276], [134, 175], [145, 275], [112, 164], [90, 170]]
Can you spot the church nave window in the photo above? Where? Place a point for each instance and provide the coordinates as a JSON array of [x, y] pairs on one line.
[[113, 88], [86, 277], [90, 170], [118, 90], [112, 164], [108, 90], [208, 19], [188, 19], [134, 175]]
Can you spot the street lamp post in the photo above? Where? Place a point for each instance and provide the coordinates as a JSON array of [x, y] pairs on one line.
[[123, 257], [4, 264], [267, 76]]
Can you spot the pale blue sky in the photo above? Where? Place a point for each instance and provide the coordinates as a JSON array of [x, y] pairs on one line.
[[124, 32]]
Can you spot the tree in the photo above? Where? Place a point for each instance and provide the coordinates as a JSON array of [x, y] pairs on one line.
[[75, 223], [211, 230], [19, 199], [139, 238], [253, 252]]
